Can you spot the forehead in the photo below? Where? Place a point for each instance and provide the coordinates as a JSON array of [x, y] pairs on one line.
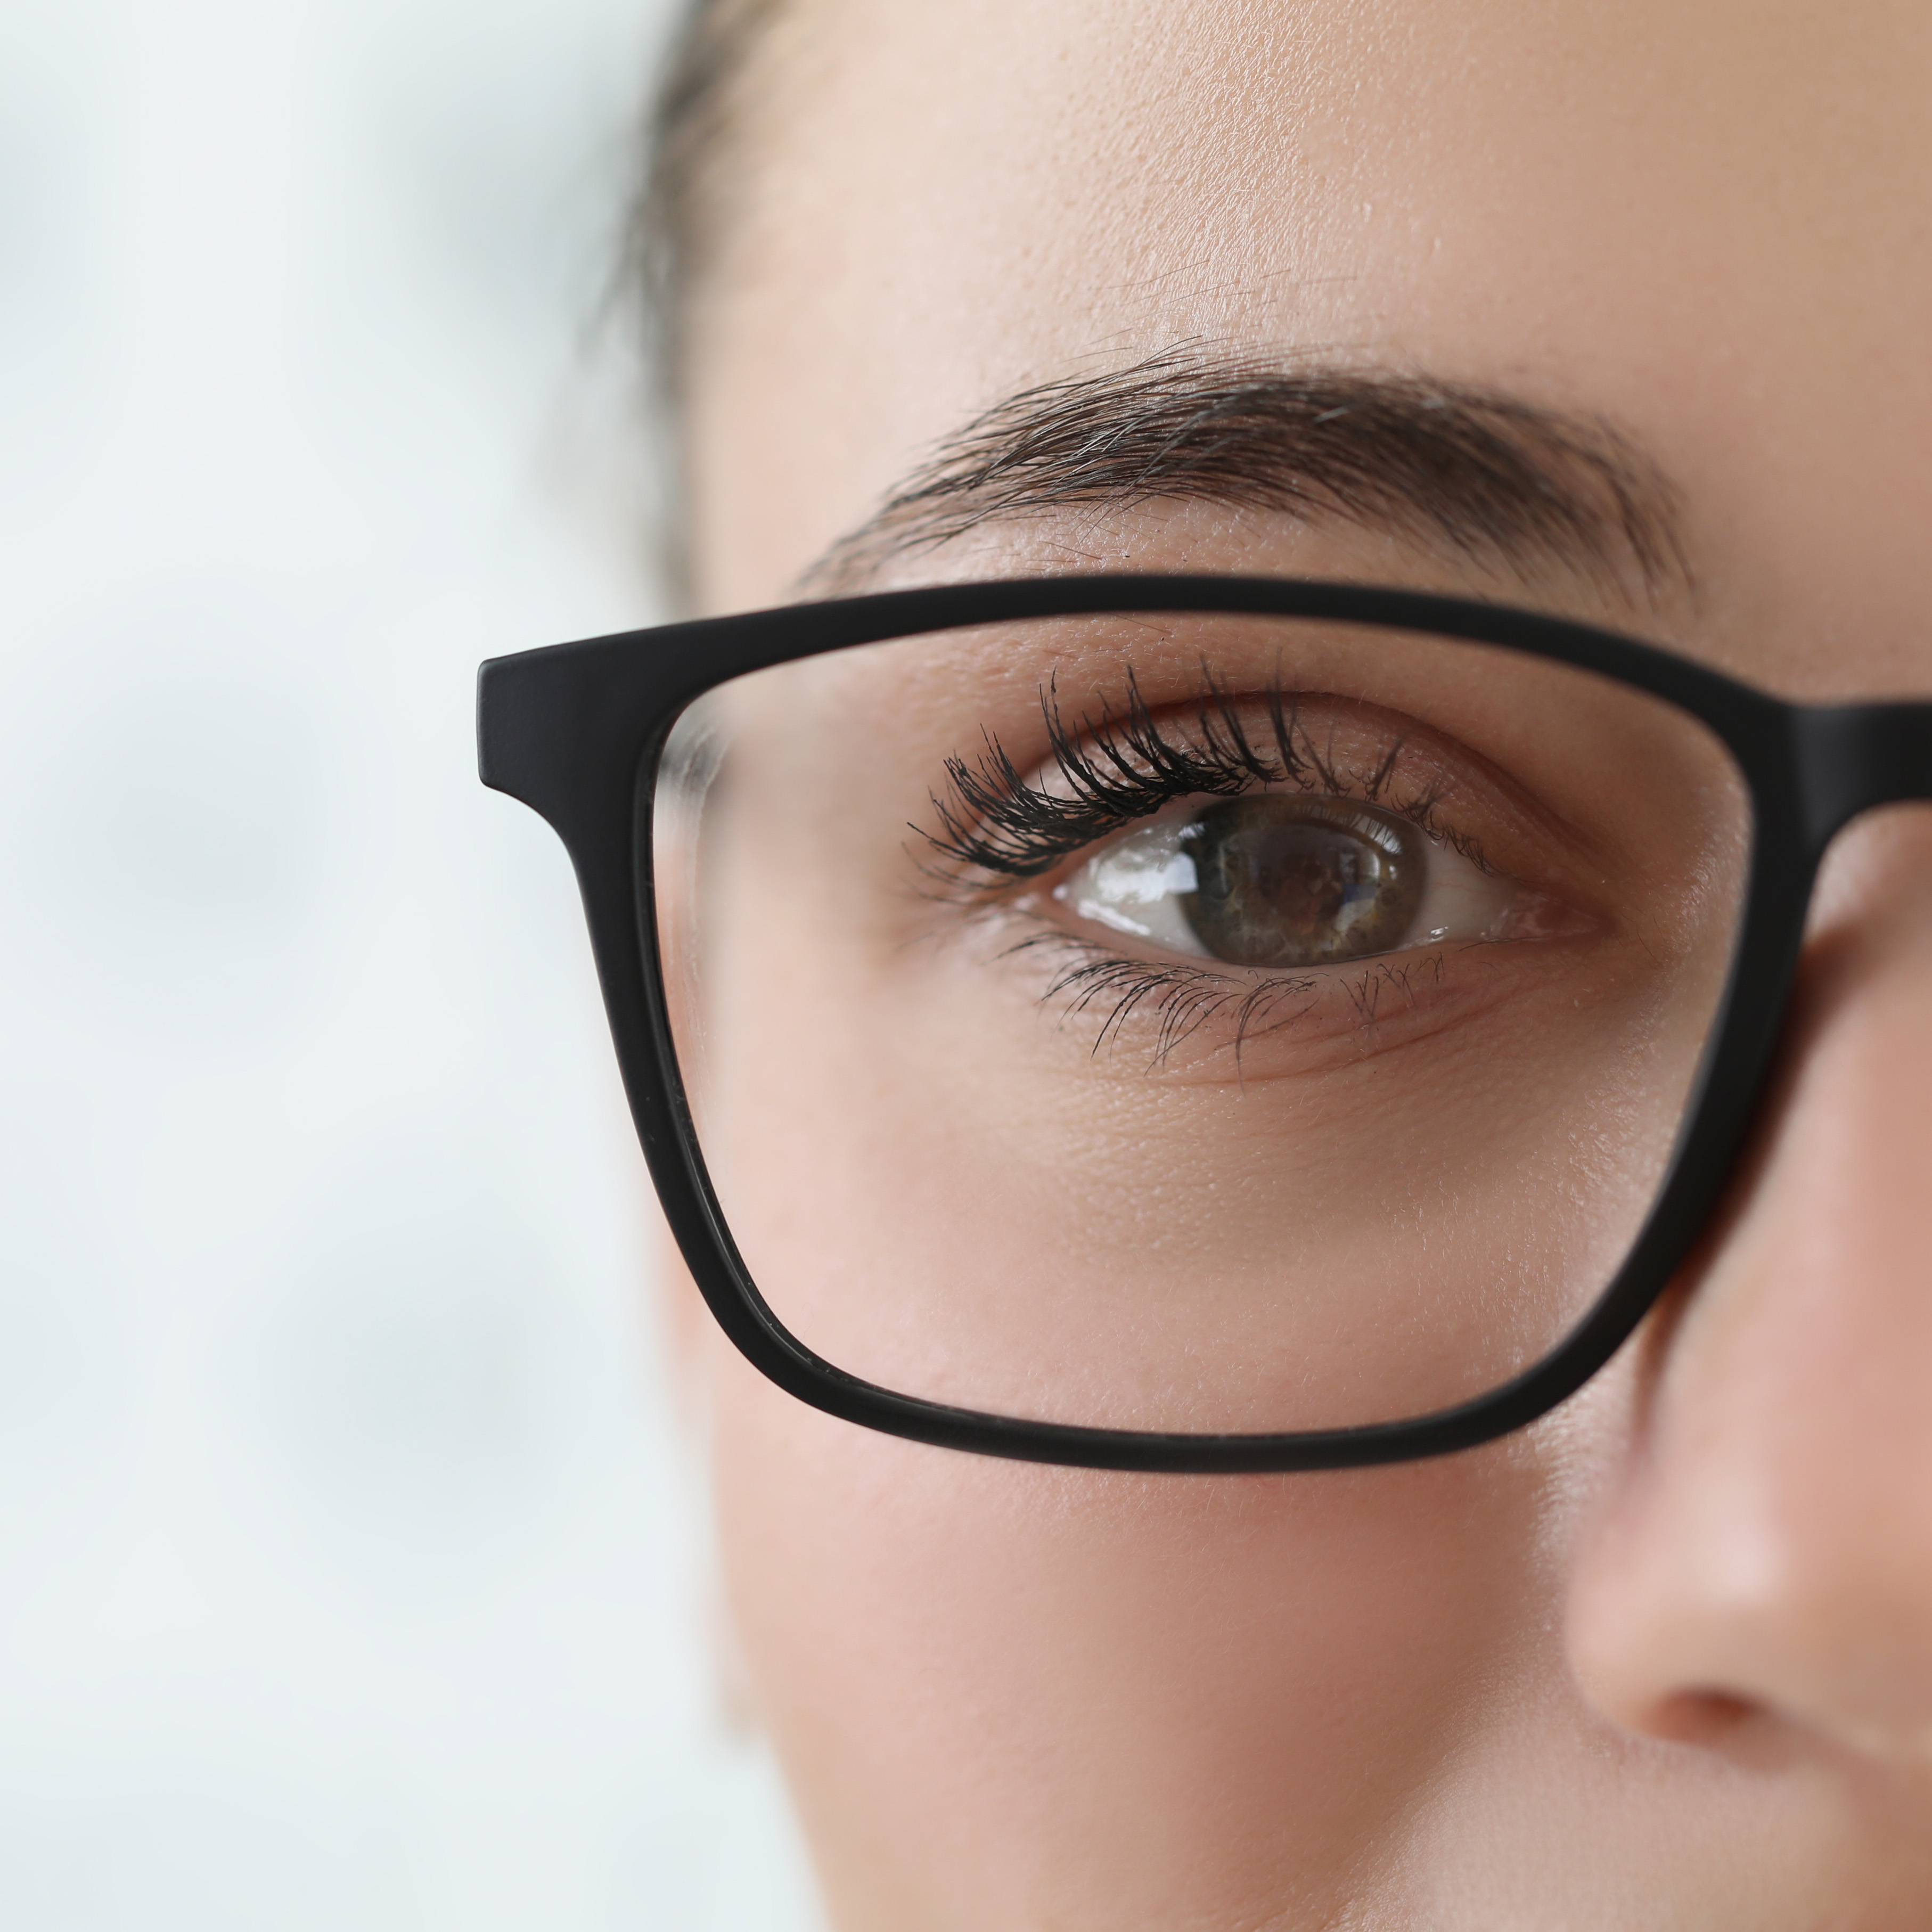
[[1705, 220]]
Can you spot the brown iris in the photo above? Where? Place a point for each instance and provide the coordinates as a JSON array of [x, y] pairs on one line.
[[1287, 882]]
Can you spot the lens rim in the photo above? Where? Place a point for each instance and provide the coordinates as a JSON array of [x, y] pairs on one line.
[[576, 732]]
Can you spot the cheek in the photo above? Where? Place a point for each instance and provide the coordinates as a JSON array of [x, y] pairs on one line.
[[1007, 1693]]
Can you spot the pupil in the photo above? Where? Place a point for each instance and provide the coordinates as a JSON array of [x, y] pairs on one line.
[[1301, 882]]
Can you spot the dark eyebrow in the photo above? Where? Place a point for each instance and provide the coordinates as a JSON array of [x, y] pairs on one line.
[[1496, 479]]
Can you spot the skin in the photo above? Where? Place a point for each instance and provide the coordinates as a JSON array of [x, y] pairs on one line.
[[1664, 1660]]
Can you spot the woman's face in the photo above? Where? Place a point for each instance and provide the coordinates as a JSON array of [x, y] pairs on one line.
[[1665, 1658]]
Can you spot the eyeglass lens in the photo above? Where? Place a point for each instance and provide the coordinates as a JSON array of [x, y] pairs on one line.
[[1193, 1023]]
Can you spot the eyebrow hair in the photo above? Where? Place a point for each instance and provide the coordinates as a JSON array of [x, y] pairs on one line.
[[1496, 479]]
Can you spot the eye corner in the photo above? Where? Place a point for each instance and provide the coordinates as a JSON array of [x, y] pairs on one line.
[[1543, 918]]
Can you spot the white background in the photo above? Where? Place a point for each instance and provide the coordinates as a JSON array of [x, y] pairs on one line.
[[351, 1568]]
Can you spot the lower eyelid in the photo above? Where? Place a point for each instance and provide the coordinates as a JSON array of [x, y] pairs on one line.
[[1189, 1021]]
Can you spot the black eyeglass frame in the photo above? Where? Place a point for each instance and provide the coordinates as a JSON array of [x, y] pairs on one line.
[[576, 732]]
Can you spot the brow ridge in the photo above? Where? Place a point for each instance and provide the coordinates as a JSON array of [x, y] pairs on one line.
[[1493, 478]]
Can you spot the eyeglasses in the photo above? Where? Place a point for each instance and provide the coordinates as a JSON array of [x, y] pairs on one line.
[[1185, 1023]]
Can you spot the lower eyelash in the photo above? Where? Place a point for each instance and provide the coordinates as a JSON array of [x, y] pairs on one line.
[[1184, 999]]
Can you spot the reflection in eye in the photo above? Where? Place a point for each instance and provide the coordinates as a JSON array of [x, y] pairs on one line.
[[1284, 882]]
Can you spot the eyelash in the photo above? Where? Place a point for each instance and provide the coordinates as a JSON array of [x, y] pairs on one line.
[[1123, 767], [995, 830], [1184, 999]]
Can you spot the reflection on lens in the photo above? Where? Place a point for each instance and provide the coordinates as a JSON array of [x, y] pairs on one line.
[[1197, 1023], [1300, 882]]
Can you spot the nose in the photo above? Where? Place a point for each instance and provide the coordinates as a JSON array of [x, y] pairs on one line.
[[1763, 1566]]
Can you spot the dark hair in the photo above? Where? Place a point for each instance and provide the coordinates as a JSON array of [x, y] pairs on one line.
[[684, 185], [670, 232]]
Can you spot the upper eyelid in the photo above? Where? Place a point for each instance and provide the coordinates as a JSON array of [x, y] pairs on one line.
[[997, 820], [1031, 828]]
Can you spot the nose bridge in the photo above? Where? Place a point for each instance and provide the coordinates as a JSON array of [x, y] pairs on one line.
[[1854, 758]]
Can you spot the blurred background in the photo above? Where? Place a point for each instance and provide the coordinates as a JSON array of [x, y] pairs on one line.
[[352, 1569]]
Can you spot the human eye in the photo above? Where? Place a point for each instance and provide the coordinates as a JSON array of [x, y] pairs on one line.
[[1275, 864], [1287, 883]]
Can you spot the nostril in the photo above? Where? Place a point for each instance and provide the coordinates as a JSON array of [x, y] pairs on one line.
[[1752, 1736], [1711, 1718]]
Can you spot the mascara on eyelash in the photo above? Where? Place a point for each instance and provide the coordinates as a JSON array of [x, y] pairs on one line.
[[1123, 767]]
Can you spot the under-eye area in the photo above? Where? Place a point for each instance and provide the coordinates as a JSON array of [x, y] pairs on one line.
[[1187, 882]]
